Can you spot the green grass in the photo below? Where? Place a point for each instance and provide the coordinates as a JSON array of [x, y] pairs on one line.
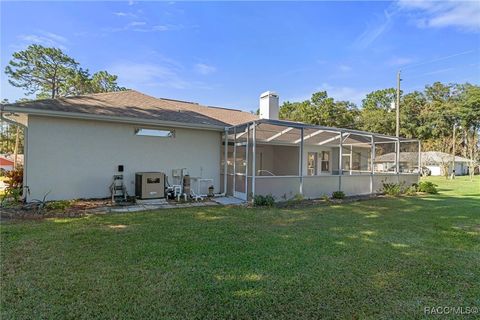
[[383, 258]]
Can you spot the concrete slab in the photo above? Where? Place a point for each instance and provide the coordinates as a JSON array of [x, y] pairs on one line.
[[229, 201], [151, 201], [164, 205]]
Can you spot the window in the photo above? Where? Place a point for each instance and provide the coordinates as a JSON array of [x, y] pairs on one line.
[[346, 162], [155, 133], [325, 165], [312, 164], [356, 161]]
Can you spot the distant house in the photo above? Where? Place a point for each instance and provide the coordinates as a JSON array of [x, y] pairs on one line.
[[387, 162], [7, 161], [436, 161]]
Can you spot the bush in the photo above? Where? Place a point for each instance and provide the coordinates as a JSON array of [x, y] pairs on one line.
[[392, 189], [427, 187], [14, 179], [59, 205], [263, 201], [298, 198], [14, 182], [338, 195], [411, 191]]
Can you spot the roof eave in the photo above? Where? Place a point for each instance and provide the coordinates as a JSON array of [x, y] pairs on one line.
[[117, 119]]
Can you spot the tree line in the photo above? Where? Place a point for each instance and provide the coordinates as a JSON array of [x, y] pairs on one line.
[[429, 115]]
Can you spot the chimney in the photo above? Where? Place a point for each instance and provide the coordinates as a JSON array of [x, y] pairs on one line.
[[269, 105]]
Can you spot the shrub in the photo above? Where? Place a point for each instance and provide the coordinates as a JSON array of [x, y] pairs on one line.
[[411, 191], [427, 187], [263, 201], [298, 198], [59, 205], [338, 195], [325, 197], [392, 189], [11, 196], [14, 182], [14, 178]]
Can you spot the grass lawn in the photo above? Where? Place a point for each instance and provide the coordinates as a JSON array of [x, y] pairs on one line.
[[383, 258]]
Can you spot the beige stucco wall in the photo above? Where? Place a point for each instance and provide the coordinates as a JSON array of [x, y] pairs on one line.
[[77, 158], [278, 159]]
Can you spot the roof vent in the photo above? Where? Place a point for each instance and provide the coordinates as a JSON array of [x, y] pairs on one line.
[[269, 106]]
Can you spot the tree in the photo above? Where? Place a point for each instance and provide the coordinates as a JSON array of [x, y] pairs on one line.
[[376, 114], [469, 112], [412, 123], [40, 69], [11, 137], [50, 73], [102, 81], [321, 110], [82, 83]]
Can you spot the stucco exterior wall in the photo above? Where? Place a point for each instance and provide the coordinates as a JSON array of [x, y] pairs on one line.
[[279, 160], [284, 188], [77, 158]]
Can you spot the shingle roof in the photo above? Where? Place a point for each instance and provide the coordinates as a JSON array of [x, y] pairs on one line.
[[439, 157], [428, 157], [134, 104]]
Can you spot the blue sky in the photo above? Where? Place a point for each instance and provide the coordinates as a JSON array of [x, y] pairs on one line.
[[227, 53]]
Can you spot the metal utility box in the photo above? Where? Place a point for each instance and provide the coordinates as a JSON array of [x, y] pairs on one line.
[[150, 185]]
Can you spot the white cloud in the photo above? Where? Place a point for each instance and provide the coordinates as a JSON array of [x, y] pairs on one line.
[[375, 30], [344, 93], [143, 26], [128, 14], [344, 68], [464, 15], [135, 75], [45, 38], [204, 69], [399, 61], [339, 93], [167, 74]]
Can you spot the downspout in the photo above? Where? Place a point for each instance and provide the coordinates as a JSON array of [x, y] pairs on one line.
[[419, 159], [397, 164], [25, 144], [234, 159], [372, 156], [225, 165], [300, 169], [340, 156], [246, 162], [254, 158]]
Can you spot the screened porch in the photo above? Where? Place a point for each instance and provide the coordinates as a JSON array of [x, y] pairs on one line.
[[284, 158]]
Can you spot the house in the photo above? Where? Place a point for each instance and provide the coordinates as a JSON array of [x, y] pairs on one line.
[[74, 146], [386, 162], [7, 161], [437, 162]]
